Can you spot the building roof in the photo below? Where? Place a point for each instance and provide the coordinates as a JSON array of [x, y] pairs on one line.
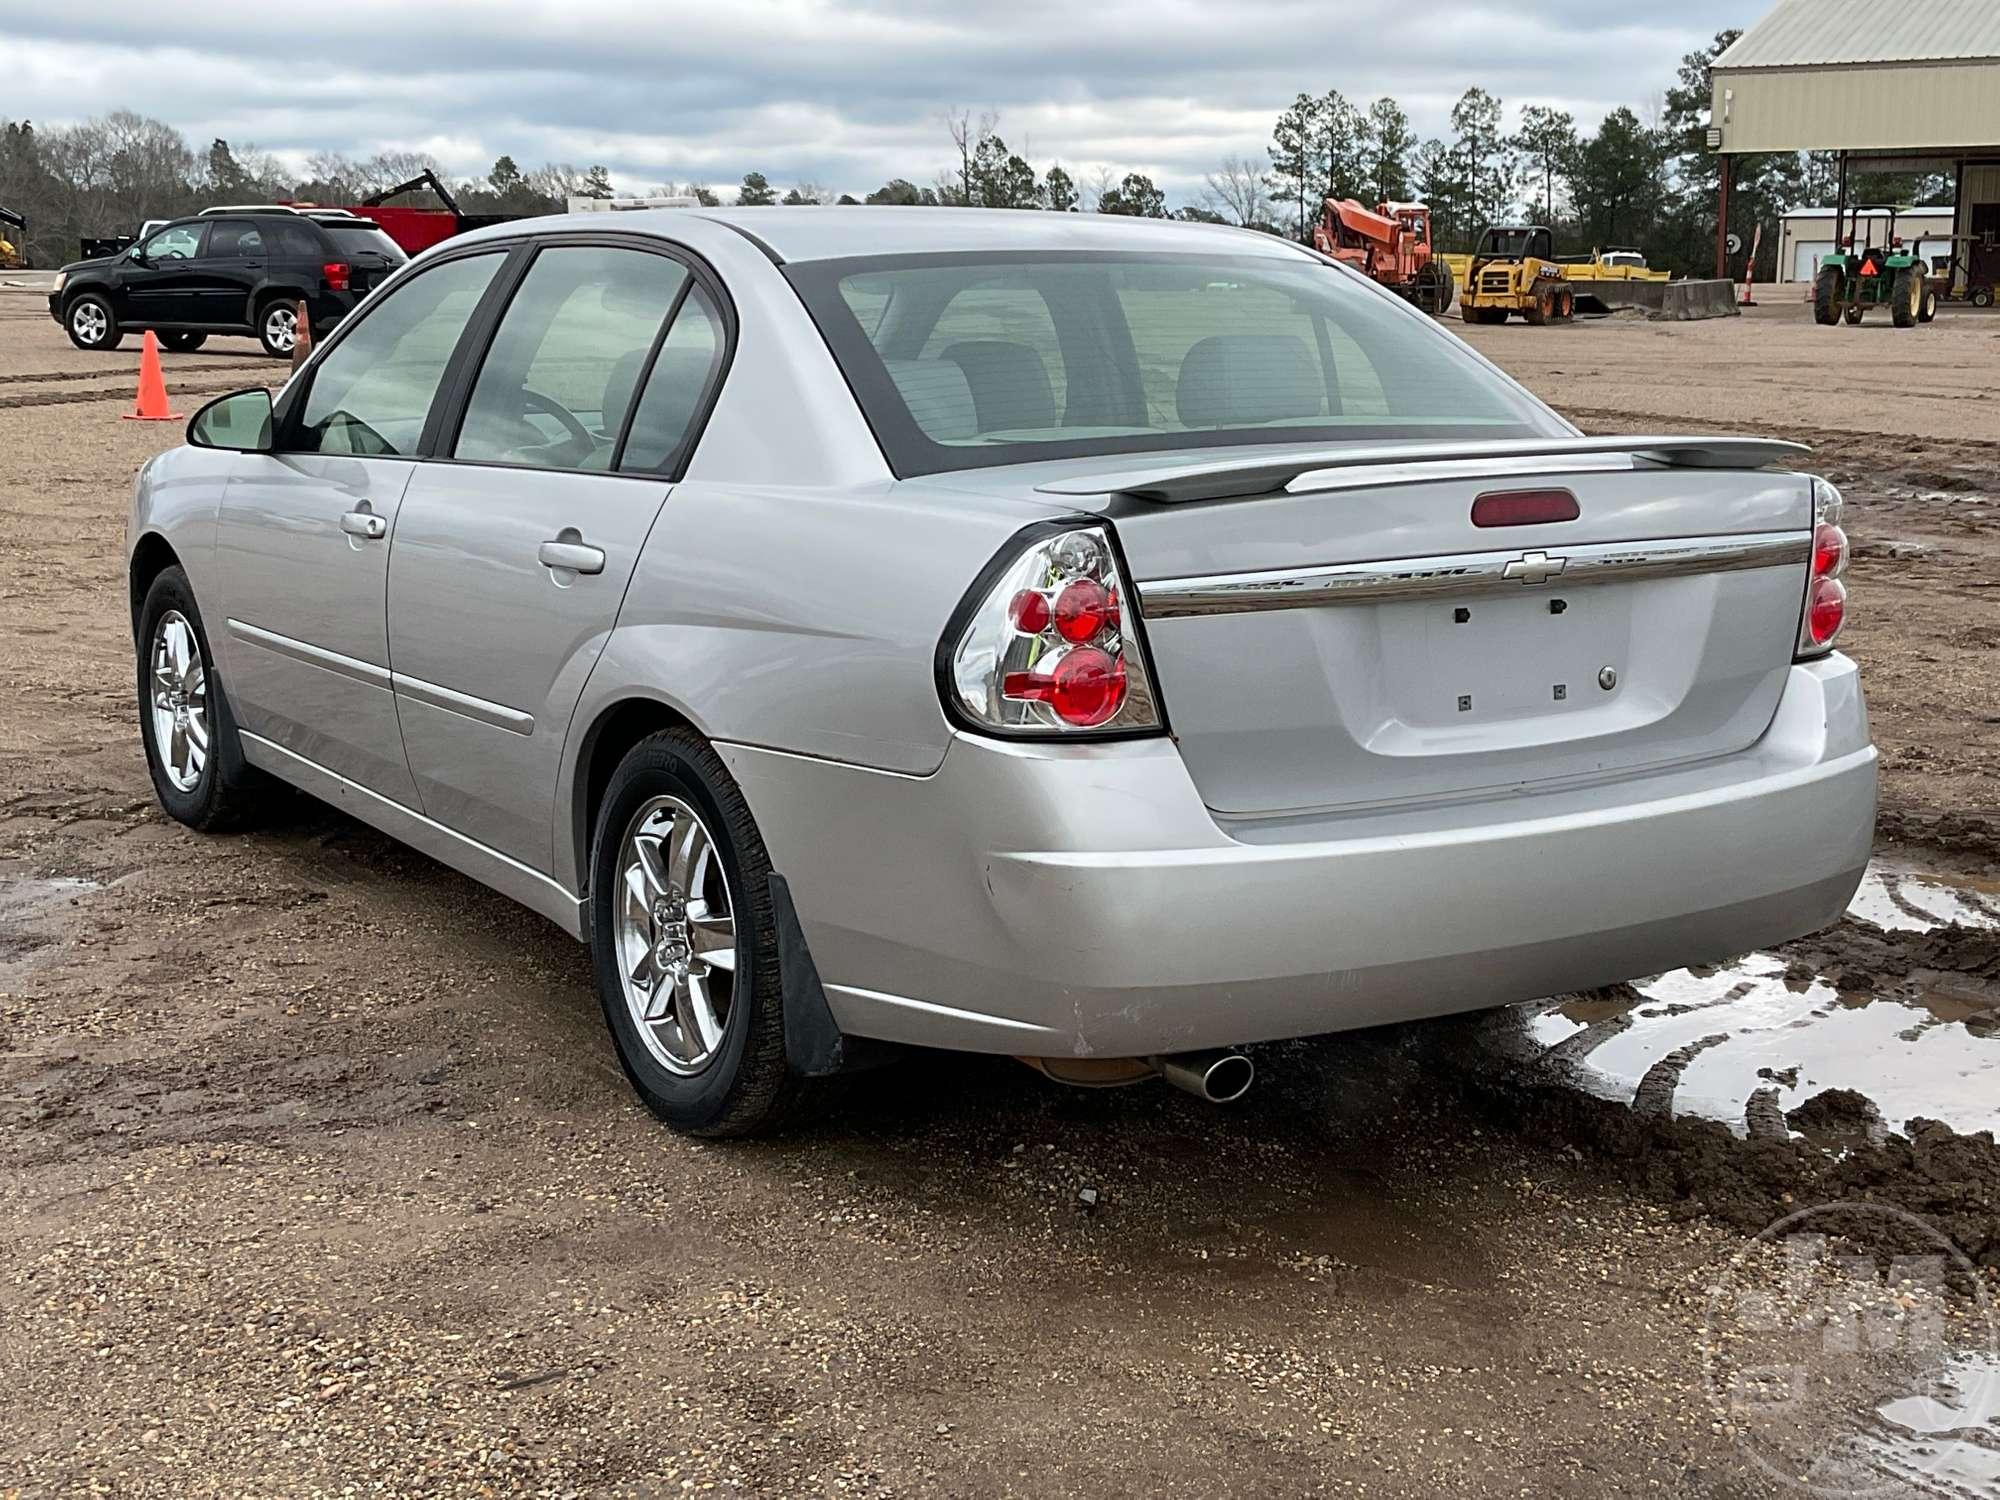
[[1822, 33], [1925, 211]]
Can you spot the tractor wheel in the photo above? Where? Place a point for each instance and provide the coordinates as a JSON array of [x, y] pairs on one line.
[[1927, 309], [1566, 306], [1853, 315], [1982, 296], [1434, 287], [1826, 296], [1537, 312], [1906, 296]]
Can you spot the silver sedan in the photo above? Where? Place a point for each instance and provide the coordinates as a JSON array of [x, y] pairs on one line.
[[1103, 642]]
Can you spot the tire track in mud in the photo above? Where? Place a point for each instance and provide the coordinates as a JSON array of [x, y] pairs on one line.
[[116, 393], [55, 377]]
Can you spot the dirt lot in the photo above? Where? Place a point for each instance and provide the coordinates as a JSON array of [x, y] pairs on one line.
[[318, 1177]]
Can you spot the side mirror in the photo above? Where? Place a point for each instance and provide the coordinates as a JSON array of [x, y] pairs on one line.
[[137, 256], [239, 422]]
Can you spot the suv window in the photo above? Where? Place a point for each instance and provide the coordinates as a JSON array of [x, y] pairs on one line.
[[176, 242], [299, 242], [681, 374], [234, 237], [561, 373], [364, 239], [372, 392]]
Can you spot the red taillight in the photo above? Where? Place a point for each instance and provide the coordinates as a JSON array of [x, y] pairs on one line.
[[1029, 612], [335, 273], [1084, 608], [1524, 508], [1825, 609], [1827, 613], [1086, 687], [1047, 647]]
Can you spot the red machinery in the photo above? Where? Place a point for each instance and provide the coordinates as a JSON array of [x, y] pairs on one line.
[[1390, 243]]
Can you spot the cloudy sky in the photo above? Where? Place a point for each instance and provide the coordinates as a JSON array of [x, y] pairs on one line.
[[844, 93]]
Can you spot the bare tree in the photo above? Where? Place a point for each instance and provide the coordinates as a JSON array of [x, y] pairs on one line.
[[1096, 183], [965, 139], [1236, 190]]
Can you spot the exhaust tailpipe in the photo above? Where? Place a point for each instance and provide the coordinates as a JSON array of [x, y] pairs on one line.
[[1220, 1077]]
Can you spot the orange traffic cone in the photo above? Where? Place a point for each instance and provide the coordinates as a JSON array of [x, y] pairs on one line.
[[152, 403], [302, 337]]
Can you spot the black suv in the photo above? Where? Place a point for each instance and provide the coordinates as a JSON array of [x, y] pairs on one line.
[[226, 271]]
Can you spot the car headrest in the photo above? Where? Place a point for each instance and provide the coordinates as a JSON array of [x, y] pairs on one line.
[[1240, 379], [1010, 384], [619, 385], [936, 392]]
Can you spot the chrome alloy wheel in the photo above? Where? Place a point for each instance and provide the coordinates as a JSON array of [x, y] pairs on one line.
[[281, 326], [676, 935], [89, 321], [180, 701]]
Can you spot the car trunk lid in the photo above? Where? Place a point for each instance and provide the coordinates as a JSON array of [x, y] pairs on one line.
[[1356, 640]]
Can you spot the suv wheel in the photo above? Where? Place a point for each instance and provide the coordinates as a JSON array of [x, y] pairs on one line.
[[684, 942], [183, 343], [278, 328], [91, 323]]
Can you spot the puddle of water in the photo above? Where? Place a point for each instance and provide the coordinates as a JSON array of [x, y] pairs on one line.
[[1948, 1437], [1904, 899], [23, 898], [1701, 1042]]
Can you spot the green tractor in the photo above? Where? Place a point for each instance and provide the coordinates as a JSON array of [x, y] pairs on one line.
[[1883, 273]]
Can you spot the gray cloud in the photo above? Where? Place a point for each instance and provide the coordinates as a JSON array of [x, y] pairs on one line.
[[846, 94]]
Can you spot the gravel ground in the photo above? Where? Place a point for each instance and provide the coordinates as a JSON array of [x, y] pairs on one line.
[[318, 1176]]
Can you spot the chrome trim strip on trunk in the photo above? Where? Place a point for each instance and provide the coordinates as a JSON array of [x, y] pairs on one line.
[[1468, 573], [311, 655], [499, 715]]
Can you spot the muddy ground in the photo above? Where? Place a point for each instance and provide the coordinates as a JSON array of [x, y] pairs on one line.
[[317, 1175]]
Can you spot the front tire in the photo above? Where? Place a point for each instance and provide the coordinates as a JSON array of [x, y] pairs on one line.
[[192, 749], [1826, 296], [91, 324], [684, 942]]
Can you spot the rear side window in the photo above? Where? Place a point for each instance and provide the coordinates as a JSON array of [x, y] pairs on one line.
[[234, 237], [299, 242], [663, 423], [972, 360], [565, 364], [372, 392]]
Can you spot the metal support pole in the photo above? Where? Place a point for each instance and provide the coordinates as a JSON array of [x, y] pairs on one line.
[[1840, 206], [1722, 224], [1961, 223]]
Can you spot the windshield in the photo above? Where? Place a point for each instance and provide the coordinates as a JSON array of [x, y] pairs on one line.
[[365, 239], [970, 360]]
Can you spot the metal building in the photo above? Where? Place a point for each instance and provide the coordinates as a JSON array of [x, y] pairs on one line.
[[1904, 88]]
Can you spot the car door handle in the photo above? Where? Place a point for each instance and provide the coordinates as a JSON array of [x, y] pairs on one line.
[[364, 524], [575, 556]]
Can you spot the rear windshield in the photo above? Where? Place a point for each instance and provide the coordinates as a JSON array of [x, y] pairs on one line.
[[362, 239], [969, 360]]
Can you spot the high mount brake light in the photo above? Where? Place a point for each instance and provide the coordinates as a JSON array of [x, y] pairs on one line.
[[1048, 648], [1825, 607]]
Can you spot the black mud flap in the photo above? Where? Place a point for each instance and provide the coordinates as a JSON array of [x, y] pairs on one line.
[[815, 1046]]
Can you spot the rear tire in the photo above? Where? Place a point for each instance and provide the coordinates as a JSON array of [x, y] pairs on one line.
[[200, 775], [704, 1073], [91, 324], [1906, 296], [1982, 296], [1827, 295], [183, 343], [278, 326]]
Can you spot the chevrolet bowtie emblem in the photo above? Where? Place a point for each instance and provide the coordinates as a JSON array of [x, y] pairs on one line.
[[1533, 568]]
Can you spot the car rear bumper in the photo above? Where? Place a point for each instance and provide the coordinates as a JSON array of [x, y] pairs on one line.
[[1080, 900]]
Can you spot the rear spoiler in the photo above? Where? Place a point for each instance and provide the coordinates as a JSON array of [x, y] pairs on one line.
[[1333, 468]]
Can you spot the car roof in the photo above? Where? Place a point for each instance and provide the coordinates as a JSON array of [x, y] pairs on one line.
[[833, 231]]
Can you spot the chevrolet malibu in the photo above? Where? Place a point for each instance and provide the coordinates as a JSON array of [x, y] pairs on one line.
[[1106, 643]]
